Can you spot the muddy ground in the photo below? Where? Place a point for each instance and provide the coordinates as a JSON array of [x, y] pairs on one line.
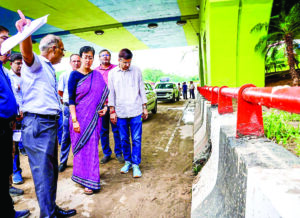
[[163, 191]]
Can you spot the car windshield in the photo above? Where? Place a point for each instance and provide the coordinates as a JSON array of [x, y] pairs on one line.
[[164, 86]]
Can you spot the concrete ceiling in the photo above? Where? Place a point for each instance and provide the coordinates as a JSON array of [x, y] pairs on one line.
[[124, 22]]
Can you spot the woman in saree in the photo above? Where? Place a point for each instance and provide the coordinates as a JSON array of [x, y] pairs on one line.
[[87, 95]]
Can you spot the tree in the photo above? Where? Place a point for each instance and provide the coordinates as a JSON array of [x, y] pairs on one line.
[[284, 26]]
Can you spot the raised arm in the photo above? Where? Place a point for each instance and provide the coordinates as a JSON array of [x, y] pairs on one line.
[[26, 45]]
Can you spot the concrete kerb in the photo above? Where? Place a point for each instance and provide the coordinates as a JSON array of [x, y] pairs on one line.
[[244, 177]]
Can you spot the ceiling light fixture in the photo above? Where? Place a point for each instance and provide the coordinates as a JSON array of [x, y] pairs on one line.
[[99, 32], [181, 22], [152, 25]]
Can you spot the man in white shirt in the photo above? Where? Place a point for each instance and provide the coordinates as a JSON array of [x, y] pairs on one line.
[[15, 79], [41, 106], [63, 92], [128, 105], [192, 90]]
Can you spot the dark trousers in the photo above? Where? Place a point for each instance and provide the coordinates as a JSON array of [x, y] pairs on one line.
[[7, 164], [192, 94], [39, 137], [184, 94], [104, 133], [65, 140]]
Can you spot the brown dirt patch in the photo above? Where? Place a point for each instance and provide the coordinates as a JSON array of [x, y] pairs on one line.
[[163, 191]]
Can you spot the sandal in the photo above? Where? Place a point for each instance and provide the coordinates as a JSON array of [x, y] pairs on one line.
[[88, 191]]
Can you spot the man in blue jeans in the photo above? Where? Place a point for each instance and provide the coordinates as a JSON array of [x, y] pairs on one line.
[[104, 68], [63, 92], [128, 105]]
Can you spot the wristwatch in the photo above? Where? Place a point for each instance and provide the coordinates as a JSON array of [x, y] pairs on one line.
[[74, 120], [144, 106]]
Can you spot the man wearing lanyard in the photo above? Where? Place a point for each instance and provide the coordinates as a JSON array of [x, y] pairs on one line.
[[8, 113], [63, 92], [41, 107], [104, 68], [128, 105]]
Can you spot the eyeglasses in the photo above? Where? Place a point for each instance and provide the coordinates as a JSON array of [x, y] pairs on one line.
[[4, 37], [105, 55]]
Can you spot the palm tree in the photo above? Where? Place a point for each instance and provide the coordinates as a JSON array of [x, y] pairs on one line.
[[284, 26]]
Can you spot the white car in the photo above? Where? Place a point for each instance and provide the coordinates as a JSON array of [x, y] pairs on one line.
[[167, 91]]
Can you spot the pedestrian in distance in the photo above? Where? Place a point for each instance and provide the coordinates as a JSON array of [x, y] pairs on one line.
[[41, 106], [184, 90], [192, 90], [87, 96], [128, 106], [179, 90], [104, 68], [75, 63]]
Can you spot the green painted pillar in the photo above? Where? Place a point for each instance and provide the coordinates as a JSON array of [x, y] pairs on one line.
[[227, 44]]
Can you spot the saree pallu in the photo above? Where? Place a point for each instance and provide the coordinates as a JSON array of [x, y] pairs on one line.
[[91, 93]]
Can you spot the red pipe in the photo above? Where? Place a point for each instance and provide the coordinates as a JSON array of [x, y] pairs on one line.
[[230, 92], [282, 98]]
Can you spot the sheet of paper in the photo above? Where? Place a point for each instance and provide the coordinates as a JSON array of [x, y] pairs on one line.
[[19, 37]]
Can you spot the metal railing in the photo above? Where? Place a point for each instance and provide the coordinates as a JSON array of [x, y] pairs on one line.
[[250, 100]]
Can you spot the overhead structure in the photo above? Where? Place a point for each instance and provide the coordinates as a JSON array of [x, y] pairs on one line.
[[220, 28], [111, 24]]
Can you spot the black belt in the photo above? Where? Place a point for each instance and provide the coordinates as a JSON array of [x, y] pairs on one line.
[[48, 117]]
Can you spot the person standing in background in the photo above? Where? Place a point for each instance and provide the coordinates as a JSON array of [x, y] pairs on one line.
[[63, 92], [104, 68], [192, 90], [15, 78], [179, 90], [184, 90]]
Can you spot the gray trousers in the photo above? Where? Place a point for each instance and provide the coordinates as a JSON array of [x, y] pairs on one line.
[[39, 139]]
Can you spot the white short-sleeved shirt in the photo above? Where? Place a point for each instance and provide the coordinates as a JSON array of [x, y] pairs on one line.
[[39, 87], [63, 85]]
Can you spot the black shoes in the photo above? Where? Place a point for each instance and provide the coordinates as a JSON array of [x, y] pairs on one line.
[[105, 159], [23, 152], [15, 191], [60, 213], [120, 159], [22, 214], [62, 167]]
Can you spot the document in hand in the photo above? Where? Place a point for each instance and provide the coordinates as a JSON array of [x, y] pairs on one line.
[[19, 37]]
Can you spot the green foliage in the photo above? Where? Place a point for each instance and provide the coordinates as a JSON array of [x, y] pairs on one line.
[[153, 75], [197, 169], [278, 127], [282, 25]]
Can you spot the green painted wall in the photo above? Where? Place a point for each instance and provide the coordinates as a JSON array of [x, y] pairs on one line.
[[227, 46]]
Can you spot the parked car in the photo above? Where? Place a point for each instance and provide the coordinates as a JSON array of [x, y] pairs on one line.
[[167, 91], [151, 97]]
